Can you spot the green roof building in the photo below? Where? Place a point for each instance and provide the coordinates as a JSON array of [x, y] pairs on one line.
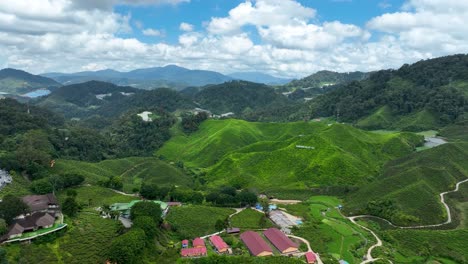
[[124, 208]]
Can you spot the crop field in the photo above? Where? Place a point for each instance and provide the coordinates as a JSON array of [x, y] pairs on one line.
[[267, 156], [249, 219], [19, 187], [96, 196], [191, 221], [133, 171]]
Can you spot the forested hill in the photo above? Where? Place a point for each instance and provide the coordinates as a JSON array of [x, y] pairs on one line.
[[427, 94], [326, 78], [18, 82]]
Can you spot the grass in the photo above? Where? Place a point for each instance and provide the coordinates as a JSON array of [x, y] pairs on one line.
[[413, 184], [19, 186], [133, 171], [264, 155], [96, 196], [86, 240], [249, 219], [191, 221]]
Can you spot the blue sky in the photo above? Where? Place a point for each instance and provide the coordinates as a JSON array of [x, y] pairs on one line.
[[285, 38]]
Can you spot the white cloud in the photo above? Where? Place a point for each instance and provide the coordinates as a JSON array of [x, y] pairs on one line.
[[186, 27], [284, 38], [153, 32]]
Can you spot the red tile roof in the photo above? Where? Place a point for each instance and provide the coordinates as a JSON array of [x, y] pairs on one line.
[[279, 239], [310, 257], [185, 242], [193, 252], [255, 243], [198, 242], [219, 243]]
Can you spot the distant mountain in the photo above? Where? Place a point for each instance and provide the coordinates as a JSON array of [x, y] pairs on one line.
[[17, 82], [170, 76], [259, 77], [323, 79]]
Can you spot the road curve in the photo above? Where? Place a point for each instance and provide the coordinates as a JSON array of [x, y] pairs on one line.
[[309, 249], [369, 257]]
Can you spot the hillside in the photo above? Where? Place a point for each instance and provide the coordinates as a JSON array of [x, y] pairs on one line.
[[259, 77], [291, 155], [427, 94], [17, 82], [323, 79], [407, 192], [170, 76]]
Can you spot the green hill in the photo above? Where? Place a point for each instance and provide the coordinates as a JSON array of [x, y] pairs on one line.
[[289, 155], [133, 171], [18, 82], [408, 190], [326, 78], [426, 95]]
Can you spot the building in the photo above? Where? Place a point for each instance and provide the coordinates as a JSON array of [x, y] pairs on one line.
[[124, 208], [310, 257], [219, 244], [283, 243], [198, 243], [30, 223], [256, 245], [185, 243], [193, 252], [233, 230], [46, 203], [174, 204]]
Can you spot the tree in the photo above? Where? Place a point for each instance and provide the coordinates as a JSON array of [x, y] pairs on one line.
[[247, 198], [147, 208], [147, 224], [3, 256], [41, 186], [126, 249], [220, 225], [12, 206], [3, 226], [70, 207]]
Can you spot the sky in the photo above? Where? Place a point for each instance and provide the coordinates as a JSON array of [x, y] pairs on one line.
[[285, 38]]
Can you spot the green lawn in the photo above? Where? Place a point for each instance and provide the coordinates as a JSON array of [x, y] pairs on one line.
[[249, 219], [190, 221]]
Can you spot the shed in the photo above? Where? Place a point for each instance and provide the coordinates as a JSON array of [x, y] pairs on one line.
[[310, 257], [198, 243], [185, 243], [283, 243], [256, 245], [193, 252], [233, 230], [219, 244]]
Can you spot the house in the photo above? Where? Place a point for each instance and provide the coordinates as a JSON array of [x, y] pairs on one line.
[[256, 245], [198, 243], [219, 244], [310, 257], [30, 223], [283, 243], [193, 252], [42, 203], [124, 208], [233, 230], [185, 243]]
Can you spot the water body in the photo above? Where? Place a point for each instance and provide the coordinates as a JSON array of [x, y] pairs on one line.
[[37, 93]]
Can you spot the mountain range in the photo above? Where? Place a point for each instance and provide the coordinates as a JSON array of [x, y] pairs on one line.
[[18, 82]]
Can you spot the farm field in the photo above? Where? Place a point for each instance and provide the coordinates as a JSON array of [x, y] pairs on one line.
[[296, 155], [133, 171], [96, 196], [191, 221], [250, 219]]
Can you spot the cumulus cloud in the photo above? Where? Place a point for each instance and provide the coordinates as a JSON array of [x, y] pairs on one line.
[[186, 27], [280, 37]]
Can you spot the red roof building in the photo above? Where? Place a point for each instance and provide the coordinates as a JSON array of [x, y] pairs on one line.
[[193, 252], [310, 257], [256, 245], [185, 243], [219, 244], [198, 243], [280, 240]]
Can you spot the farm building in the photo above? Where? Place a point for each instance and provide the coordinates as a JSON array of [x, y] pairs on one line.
[[198, 243], [233, 230], [193, 252], [124, 208], [256, 245], [185, 243], [283, 243], [219, 244], [310, 257]]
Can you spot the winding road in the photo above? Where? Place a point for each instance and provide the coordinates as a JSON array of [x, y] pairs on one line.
[[369, 257]]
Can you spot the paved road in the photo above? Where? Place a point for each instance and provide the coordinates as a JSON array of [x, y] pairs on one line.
[[369, 257]]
